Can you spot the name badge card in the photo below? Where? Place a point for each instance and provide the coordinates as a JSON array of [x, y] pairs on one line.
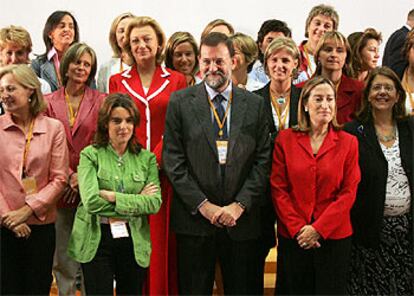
[[118, 228], [222, 151], [29, 185]]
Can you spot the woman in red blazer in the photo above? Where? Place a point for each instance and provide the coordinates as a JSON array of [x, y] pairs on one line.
[[314, 179], [150, 85], [76, 105], [333, 56]]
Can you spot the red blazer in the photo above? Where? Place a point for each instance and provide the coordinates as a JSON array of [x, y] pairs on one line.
[[348, 98], [317, 190], [83, 131], [153, 105]]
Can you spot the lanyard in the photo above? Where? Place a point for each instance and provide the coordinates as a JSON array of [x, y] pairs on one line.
[[72, 115], [280, 117], [219, 122], [309, 62], [408, 89], [27, 146]]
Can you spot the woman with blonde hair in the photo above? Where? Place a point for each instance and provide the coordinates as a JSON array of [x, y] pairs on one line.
[[181, 54], [321, 19], [281, 63], [120, 60], [314, 180], [333, 56], [245, 54], [34, 172], [150, 85]]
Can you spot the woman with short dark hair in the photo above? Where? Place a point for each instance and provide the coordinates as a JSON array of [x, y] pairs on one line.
[[119, 188], [61, 30]]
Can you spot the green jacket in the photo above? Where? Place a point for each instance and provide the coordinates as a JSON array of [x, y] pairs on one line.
[[103, 169]]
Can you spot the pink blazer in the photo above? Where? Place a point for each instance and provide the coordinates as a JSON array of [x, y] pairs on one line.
[[83, 131], [47, 161]]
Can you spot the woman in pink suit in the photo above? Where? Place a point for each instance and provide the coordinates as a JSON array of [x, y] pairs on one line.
[[150, 85], [34, 171], [76, 105], [314, 180]]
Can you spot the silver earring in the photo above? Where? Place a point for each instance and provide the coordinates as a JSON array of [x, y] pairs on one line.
[[306, 109], [29, 100]]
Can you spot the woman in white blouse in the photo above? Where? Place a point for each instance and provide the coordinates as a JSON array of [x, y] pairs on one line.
[[382, 259], [120, 60]]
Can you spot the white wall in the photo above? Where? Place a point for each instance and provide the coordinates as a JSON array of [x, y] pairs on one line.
[[94, 17]]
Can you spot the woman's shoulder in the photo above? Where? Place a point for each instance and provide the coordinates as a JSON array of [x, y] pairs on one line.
[[145, 154]]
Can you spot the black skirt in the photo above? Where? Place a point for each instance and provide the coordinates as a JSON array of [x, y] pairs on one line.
[[387, 270]]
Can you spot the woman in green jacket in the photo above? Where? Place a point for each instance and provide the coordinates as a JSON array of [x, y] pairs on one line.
[[119, 188]]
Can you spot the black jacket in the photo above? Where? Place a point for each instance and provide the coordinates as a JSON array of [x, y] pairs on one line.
[[191, 162], [368, 211]]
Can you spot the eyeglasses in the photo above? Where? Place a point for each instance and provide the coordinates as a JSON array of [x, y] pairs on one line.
[[387, 87]]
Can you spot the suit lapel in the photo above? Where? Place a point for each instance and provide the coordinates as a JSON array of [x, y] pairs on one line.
[[60, 108], [202, 112], [294, 103], [304, 142], [84, 109], [329, 142], [370, 137], [238, 110]]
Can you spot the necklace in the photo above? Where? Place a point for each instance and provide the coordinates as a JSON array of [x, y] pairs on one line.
[[387, 138]]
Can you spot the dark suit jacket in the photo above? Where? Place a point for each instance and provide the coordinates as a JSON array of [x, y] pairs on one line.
[[268, 216], [393, 57], [293, 110], [191, 161], [368, 211]]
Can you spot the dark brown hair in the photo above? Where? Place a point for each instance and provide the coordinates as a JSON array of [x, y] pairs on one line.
[[357, 61], [111, 102], [52, 22], [398, 111], [215, 38]]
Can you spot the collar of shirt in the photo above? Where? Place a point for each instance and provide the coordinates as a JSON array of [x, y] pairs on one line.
[[53, 55], [226, 93]]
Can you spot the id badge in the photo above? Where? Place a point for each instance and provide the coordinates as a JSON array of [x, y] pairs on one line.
[[29, 185], [118, 228], [222, 151]]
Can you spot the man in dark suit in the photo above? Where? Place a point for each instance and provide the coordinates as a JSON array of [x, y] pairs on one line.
[[217, 157], [393, 56]]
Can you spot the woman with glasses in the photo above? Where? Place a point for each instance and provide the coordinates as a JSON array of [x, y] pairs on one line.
[[382, 259]]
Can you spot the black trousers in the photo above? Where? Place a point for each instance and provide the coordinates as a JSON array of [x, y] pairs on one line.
[[322, 271], [114, 259], [197, 257], [26, 264]]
